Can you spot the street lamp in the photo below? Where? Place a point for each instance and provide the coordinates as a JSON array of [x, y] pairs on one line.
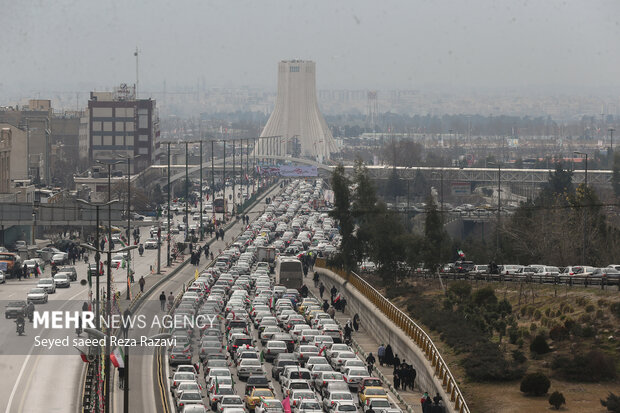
[[585, 210], [97, 260], [611, 138]]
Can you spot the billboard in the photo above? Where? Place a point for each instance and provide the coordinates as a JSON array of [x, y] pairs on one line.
[[461, 188]]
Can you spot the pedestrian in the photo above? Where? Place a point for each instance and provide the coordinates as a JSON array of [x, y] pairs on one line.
[[381, 354], [396, 361], [222, 233], [333, 292], [389, 355], [36, 269], [325, 305], [26, 272], [303, 291], [347, 333], [413, 373], [396, 378], [142, 281], [437, 400], [315, 278], [370, 361], [121, 377], [321, 290], [162, 300], [426, 402], [332, 312], [170, 300], [343, 304], [405, 373], [356, 322], [85, 306]]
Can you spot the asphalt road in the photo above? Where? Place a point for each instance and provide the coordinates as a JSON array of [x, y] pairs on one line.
[[28, 381]]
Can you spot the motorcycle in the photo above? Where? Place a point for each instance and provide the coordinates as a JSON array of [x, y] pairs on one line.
[[20, 329], [141, 250]]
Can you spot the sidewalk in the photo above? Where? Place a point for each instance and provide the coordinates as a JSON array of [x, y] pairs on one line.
[[368, 344]]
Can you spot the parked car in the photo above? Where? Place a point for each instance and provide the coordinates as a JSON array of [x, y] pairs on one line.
[[607, 275]]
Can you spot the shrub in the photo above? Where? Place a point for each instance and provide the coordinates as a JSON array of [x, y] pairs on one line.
[[590, 308], [535, 384], [569, 323], [539, 345], [588, 331], [602, 303], [518, 356], [544, 321], [533, 327], [612, 403], [547, 311], [520, 342], [600, 314], [537, 315], [487, 363], [615, 309], [558, 333], [581, 301], [593, 366], [513, 335], [557, 399], [523, 310], [530, 311], [585, 318]]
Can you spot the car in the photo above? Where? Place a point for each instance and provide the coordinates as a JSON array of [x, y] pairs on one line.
[[118, 260], [48, 284], [182, 377], [370, 382], [256, 395], [344, 408], [378, 405], [14, 308], [179, 355], [31, 264], [194, 408], [189, 397], [308, 406], [61, 280], [228, 402], [70, 271], [48, 253], [354, 375], [216, 392], [150, 243], [273, 348], [2, 277], [269, 406], [248, 367], [371, 392], [92, 270], [607, 275], [332, 398], [258, 381], [37, 295], [186, 385]]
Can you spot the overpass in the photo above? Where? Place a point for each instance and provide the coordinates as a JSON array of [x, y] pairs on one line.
[[534, 177]]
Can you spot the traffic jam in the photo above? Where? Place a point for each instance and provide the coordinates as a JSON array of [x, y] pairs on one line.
[[269, 349]]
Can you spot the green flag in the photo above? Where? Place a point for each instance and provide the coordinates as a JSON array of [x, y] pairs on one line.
[[262, 357]]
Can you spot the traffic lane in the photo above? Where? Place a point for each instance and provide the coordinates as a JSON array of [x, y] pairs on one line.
[[138, 381]]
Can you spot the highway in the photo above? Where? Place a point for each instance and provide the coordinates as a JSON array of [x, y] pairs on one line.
[[27, 383]]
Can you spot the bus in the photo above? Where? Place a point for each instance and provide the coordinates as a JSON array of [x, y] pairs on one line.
[[289, 272], [219, 205]]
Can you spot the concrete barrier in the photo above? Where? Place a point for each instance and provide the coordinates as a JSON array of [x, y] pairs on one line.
[[432, 373]]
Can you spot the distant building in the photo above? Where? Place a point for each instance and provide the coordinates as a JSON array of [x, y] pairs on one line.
[[18, 169], [120, 124], [296, 127], [5, 160], [35, 119]]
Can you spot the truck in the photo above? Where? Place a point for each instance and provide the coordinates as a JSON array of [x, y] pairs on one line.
[[289, 272], [266, 254]]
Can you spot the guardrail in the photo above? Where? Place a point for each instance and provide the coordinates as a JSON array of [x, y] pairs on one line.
[[570, 280], [410, 328]]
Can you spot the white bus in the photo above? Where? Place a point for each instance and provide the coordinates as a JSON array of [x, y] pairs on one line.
[[289, 272]]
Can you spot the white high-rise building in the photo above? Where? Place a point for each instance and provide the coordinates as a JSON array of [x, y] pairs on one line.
[[296, 127]]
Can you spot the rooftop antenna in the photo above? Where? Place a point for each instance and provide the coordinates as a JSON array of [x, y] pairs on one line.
[[136, 55]]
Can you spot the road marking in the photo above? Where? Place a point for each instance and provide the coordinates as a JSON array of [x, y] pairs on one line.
[[21, 371], [30, 376]]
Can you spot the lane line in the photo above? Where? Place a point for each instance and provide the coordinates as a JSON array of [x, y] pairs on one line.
[[21, 371], [28, 382]]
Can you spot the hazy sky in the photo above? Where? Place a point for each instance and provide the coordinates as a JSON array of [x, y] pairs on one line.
[[79, 45]]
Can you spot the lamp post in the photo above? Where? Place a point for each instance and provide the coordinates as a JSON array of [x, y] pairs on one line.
[[213, 181], [201, 195], [233, 182], [186, 191], [611, 138], [97, 260], [34, 225], [256, 176], [585, 210], [108, 285], [168, 212]]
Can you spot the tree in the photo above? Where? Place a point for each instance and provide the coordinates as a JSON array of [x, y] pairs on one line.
[[615, 178], [388, 242], [535, 384], [363, 210], [612, 403], [342, 213], [156, 196], [434, 236], [393, 187], [557, 400]]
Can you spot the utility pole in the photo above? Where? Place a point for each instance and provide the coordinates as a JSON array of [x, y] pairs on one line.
[[128, 295], [213, 180], [233, 181], [224, 184], [256, 174], [168, 263], [585, 210], [186, 191], [201, 227], [247, 170]]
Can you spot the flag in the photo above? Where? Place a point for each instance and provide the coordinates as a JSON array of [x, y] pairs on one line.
[[262, 357], [124, 264], [38, 270], [337, 298], [461, 253], [286, 404], [100, 267], [123, 242], [217, 386], [321, 350], [118, 265], [118, 358]]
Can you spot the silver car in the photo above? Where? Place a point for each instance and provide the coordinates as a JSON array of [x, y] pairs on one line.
[[37, 295], [47, 284]]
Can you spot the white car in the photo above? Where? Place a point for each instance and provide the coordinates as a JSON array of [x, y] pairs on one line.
[[247, 367], [117, 261], [37, 295], [150, 243], [48, 284], [2, 277], [61, 280]]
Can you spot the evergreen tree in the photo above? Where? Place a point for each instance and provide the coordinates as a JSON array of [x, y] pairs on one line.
[[342, 213], [434, 236], [615, 178]]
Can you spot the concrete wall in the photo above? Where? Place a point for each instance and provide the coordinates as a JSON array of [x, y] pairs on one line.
[[384, 331]]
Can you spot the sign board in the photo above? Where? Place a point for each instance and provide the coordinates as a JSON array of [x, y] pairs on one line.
[[461, 188]]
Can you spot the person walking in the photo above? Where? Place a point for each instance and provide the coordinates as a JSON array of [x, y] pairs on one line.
[[142, 281], [170, 301], [325, 305], [370, 362], [389, 355], [413, 374], [381, 354], [321, 290], [36, 269], [162, 300], [85, 306], [396, 361], [356, 322], [343, 304], [396, 378], [333, 292]]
